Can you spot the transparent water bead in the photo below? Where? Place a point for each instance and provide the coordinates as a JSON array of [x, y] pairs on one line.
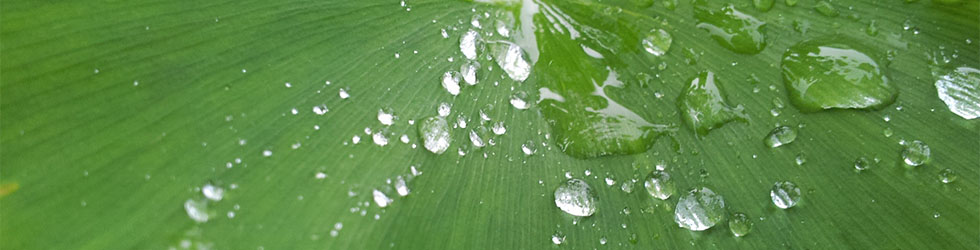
[[862, 164], [401, 186], [947, 176], [699, 209], [960, 90], [659, 185], [213, 192], [468, 44], [380, 198], [916, 153], [658, 42], [779, 136], [575, 197], [450, 81], [829, 74], [510, 58], [468, 71], [386, 117], [197, 210], [740, 224], [785, 194], [519, 100], [435, 134]]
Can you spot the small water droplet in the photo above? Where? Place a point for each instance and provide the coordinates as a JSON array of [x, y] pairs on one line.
[[659, 185], [519, 100], [862, 164], [450, 81], [386, 117], [657, 42], [213, 192], [196, 210], [947, 176], [916, 153], [779, 136], [740, 224], [381, 199], [699, 209], [435, 134]]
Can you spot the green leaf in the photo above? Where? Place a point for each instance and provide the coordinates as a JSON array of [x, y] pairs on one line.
[[115, 116]]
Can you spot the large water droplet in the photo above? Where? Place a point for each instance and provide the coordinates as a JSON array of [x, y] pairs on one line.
[[703, 106], [658, 42], [824, 75], [699, 209], [659, 185], [469, 43], [740, 224], [435, 134], [779, 136], [731, 28], [916, 153], [575, 197], [510, 58], [960, 90], [785, 194]]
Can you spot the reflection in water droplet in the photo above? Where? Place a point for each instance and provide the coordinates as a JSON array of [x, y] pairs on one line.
[[785, 194], [703, 106], [947, 176], [528, 148], [960, 90], [916, 153], [468, 71], [381, 199], [197, 210], [731, 28], [213, 192], [498, 128], [826, 74], [862, 163], [779, 136], [740, 224], [386, 117], [575, 197], [699, 209], [510, 58], [658, 42], [659, 185], [343, 93], [519, 100], [435, 134], [468, 44], [379, 139], [450, 81]]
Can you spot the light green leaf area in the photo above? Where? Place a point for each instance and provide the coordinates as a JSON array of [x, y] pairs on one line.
[[264, 125]]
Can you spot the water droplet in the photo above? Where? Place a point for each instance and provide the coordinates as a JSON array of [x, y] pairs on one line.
[[468, 44], [197, 210], [355, 139], [435, 134], [404, 138], [386, 117], [381, 199], [213, 192], [444, 109], [731, 28], [862, 163], [575, 197], [659, 185], [379, 139], [602, 241], [510, 58], [826, 8], [824, 75], [960, 90], [800, 159], [320, 109], [763, 5], [343, 93], [519, 100], [779, 136], [916, 153], [947, 176], [657, 42], [703, 106], [450, 81], [468, 71], [557, 238], [528, 148], [476, 139], [267, 153], [699, 209], [888, 132], [498, 128], [785, 194], [740, 224], [320, 175], [401, 186]]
